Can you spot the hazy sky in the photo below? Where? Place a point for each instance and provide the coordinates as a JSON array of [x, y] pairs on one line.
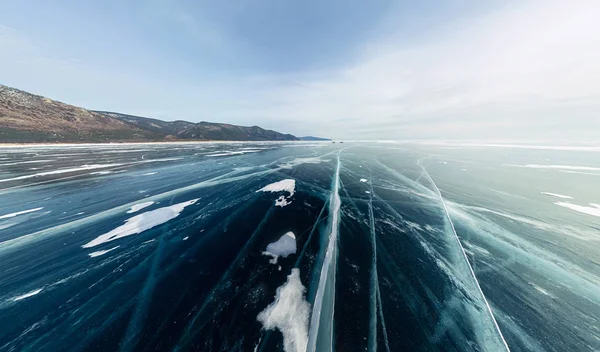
[[472, 69]]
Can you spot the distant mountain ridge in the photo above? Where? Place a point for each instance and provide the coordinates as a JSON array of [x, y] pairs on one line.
[[184, 130], [312, 138], [30, 118]]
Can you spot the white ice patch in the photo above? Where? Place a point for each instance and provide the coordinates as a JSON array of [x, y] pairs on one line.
[[186, 238], [28, 294], [560, 167], [593, 210], [281, 201], [149, 173], [283, 247], [141, 223], [27, 162], [137, 207], [287, 185], [562, 196], [103, 252], [300, 161], [12, 215], [101, 173], [61, 171], [239, 152], [363, 180], [289, 314]]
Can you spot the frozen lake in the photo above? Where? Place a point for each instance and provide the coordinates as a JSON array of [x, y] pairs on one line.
[[299, 247]]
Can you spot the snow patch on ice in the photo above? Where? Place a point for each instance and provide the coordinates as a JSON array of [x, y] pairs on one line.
[[141, 223], [27, 295], [103, 252], [281, 201], [289, 314], [137, 207], [12, 215], [593, 210], [283, 247], [287, 185], [363, 180], [557, 195]]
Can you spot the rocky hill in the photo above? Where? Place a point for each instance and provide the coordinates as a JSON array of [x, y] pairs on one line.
[[184, 130], [26, 118]]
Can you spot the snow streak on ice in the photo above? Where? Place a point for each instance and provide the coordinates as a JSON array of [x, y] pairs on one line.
[[593, 209], [103, 252], [137, 207], [28, 294], [141, 223], [12, 215]]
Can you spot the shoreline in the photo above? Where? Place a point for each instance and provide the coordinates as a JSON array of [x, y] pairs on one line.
[[73, 144]]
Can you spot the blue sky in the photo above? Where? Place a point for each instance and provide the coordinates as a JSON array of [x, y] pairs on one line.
[[433, 69]]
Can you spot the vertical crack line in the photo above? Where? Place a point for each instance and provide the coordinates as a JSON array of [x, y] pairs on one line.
[[489, 309], [329, 265]]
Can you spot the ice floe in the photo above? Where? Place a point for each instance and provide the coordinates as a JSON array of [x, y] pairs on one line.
[[593, 209], [283, 247], [103, 252], [363, 180], [562, 196], [289, 314], [141, 223], [137, 207], [27, 295], [12, 215]]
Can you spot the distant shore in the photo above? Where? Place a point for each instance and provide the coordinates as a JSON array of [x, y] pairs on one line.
[[60, 144]]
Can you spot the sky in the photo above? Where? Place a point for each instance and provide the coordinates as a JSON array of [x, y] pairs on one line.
[[352, 69]]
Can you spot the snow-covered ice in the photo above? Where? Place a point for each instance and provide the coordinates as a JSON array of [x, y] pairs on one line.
[[593, 209], [141, 223], [12, 215], [557, 195], [283, 247], [27, 295], [137, 207], [289, 314], [103, 252]]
